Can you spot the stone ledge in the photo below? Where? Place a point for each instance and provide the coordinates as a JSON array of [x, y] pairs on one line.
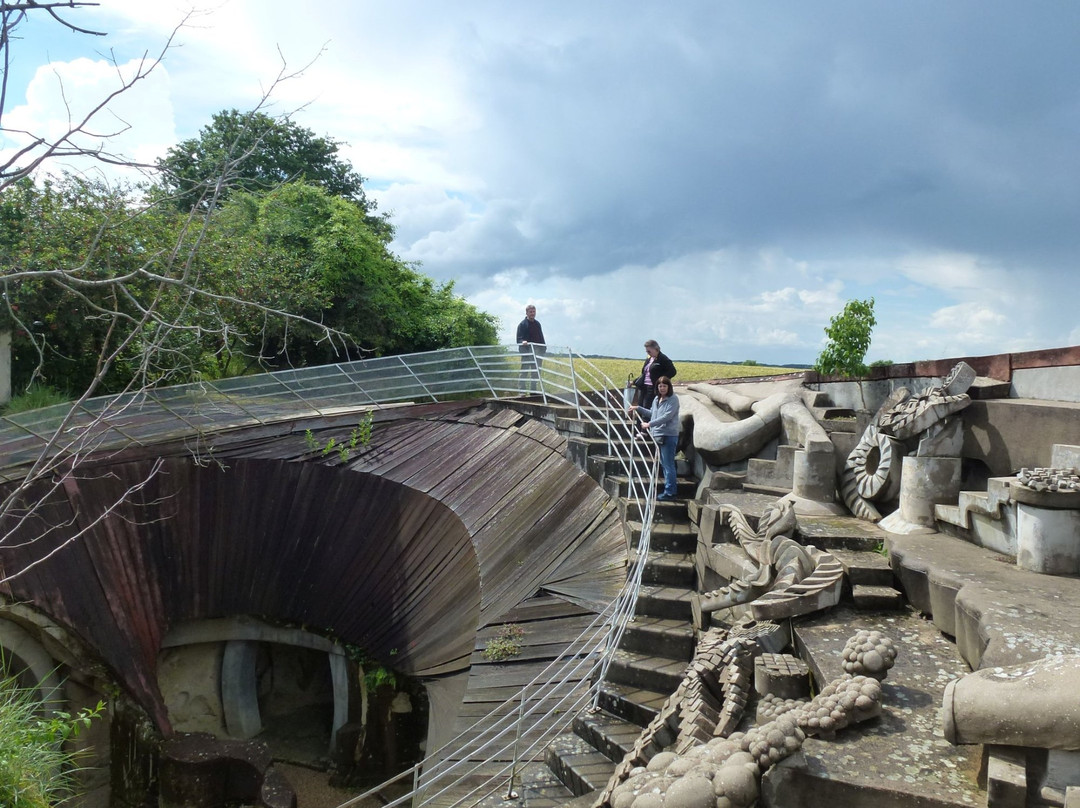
[[999, 614]]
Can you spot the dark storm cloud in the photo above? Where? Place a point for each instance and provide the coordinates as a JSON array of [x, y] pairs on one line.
[[632, 134]]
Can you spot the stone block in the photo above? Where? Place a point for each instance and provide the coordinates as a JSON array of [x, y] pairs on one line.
[[1006, 777], [783, 675], [926, 482], [1047, 540]]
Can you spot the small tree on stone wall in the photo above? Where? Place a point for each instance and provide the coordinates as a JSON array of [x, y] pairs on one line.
[[849, 340]]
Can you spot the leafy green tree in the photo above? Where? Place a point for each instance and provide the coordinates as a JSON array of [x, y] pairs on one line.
[[205, 170], [849, 339], [302, 249]]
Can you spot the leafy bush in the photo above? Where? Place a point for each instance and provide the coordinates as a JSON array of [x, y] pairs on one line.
[[506, 644], [35, 397], [849, 339], [35, 771]]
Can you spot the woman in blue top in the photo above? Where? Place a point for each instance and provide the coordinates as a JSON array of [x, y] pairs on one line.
[[662, 420]]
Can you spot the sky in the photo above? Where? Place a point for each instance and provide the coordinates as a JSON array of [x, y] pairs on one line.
[[719, 176]]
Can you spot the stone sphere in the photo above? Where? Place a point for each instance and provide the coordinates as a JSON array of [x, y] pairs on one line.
[[649, 800], [737, 783], [692, 791], [662, 761]]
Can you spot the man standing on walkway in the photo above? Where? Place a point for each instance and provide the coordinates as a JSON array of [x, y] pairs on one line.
[[532, 346]]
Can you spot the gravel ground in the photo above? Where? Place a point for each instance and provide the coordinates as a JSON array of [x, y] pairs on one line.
[[314, 791]]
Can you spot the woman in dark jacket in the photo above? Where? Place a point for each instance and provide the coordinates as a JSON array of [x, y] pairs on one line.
[[655, 366]]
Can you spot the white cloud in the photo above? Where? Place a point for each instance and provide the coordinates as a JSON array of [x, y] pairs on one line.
[[136, 125]]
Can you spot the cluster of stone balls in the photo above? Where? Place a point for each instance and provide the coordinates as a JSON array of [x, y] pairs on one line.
[[726, 772], [1050, 479], [869, 653]]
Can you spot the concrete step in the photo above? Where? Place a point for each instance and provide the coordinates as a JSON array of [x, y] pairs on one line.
[[751, 503], [578, 765], [668, 569], [721, 563], [836, 420], [899, 759], [599, 467], [634, 704], [617, 486], [867, 567], [540, 788], [877, 598], [840, 532], [660, 636], [665, 512], [773, 473], [773, 491], [612, 736], [671, 602], [678, 537]]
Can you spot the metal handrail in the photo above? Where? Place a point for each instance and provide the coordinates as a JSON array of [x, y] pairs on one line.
[[557, 374]]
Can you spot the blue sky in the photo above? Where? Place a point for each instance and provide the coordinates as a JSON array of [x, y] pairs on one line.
[[720, 176]]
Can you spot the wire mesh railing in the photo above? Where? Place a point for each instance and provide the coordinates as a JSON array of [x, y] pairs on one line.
[[35, 441]]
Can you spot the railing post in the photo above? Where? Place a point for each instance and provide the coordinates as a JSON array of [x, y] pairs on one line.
[[510, 793], [480, 370], [573, 382]]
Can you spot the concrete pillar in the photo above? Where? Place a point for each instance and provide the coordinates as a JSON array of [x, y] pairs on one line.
[[813, 475], [5, 366], [926, 482], [339, 677], [239, 689], [1048, 539]]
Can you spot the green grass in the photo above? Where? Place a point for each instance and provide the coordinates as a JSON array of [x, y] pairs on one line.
[[618, 369], [36, 397], [35, 770]]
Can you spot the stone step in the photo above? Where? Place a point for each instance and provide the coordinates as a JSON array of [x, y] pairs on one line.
[[634, 704], [836, 420], [773, 473], [665, 512], [671, 602], [599, 467], [840, 532], [898, 759], [540, 788], [669, 569], [867, 567], [752, 503], [618, 486], [612, 736], [773, 491], [877, 598], [660, 636], [578, 765], [721, 563], [678, 537]]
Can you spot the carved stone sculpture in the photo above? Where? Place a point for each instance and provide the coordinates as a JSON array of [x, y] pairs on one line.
[[790, 578], [873, 472]]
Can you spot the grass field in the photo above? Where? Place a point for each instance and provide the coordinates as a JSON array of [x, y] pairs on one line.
[[618, 369]]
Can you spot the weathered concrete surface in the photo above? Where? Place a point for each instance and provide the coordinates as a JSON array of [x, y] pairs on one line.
[[1032, 705], [1000, 614], [899, 760], [1010, 434]]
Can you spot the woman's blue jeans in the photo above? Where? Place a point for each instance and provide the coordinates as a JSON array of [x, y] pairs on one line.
[[668, 445]]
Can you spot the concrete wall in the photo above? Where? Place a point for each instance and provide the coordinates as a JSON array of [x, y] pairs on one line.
[[1047, 384]]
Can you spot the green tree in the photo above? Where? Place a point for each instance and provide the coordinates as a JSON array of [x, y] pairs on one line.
[[204, 170], [849, 339], [301, 248]]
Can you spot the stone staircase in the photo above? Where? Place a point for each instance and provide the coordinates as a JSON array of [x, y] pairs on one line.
[[659, 643]]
